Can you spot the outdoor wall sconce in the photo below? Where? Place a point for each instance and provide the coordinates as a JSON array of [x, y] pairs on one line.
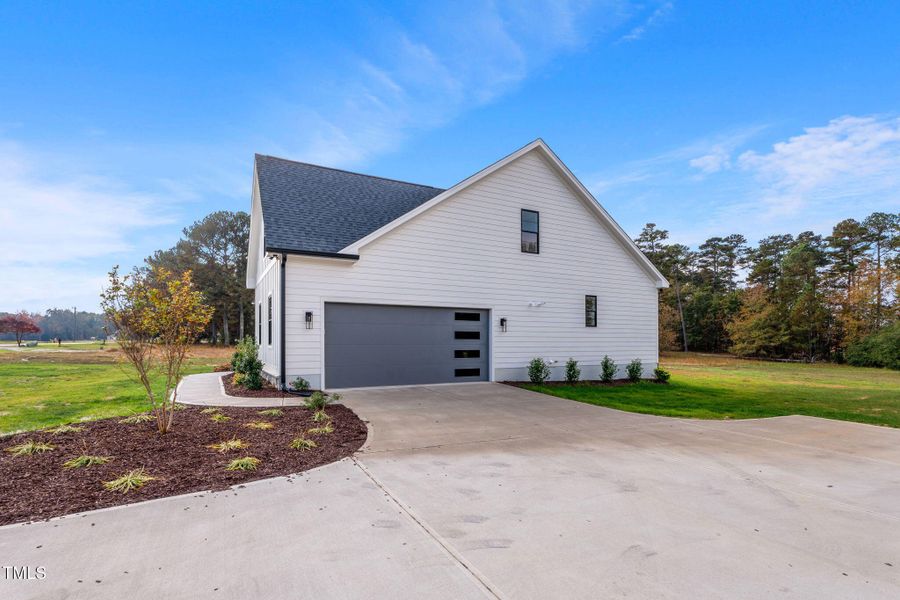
[[309, 322], [503, 324]]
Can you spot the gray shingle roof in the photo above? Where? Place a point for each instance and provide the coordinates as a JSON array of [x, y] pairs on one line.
[[308, 208]]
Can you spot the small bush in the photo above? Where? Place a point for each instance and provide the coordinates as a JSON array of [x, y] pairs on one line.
[[320, 416], [64, 429], [607, 370], [131, 480], [323, 430], [28, 448], [271, 412], [210, 410], [299, 385], [318, 401], [538, 370], [881, 349], [228, 445], [219, 417], [246, 364], [247, 463], [634, 370], [661, 375], [86, 460], [179, 406], [573, 373], [300, 443], [135, 419], [261, 425]]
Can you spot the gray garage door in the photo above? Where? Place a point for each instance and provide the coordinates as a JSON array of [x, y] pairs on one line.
[[368, 345]]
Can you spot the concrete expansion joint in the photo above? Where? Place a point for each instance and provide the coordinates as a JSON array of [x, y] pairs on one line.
[[478, 578]]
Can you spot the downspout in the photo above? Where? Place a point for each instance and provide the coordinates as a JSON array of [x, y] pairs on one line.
[[282, 342]]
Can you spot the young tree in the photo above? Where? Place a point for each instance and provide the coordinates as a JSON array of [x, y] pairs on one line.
[[883, 234], [19, 324], [157, 315]]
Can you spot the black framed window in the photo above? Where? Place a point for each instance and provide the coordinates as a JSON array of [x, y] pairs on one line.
[[590, 311], [531, 238], [258, 323], [467, 372], [467, 316], [467, 335], [269, 338], [467, 354]]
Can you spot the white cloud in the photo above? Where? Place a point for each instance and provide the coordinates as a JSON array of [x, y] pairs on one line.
[[661, 12], [848, 158], [53, 225], [463, 56], [849, 167]]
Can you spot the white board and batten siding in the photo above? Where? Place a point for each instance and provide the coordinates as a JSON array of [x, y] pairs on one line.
[[465, 252]]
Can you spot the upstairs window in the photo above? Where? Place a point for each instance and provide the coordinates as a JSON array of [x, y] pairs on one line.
[[259, 324], [531, 239], [590, 311]]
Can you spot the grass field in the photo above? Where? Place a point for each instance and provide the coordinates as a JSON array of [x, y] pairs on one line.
[[720, 387], [40, 389]]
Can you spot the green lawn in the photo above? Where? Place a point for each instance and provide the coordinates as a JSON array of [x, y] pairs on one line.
[[43, 389], [719, 387]]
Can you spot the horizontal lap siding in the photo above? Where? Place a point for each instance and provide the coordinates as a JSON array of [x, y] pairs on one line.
[[465, 253]]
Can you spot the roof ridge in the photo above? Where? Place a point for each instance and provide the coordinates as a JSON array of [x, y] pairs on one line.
[[300, 162]]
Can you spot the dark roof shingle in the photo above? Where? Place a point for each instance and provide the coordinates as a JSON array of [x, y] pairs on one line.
[[308, 208]]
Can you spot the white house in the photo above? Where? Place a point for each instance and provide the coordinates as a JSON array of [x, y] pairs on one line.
[[365, 281]]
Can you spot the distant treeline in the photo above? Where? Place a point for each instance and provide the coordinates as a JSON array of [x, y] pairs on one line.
[[805, 296], [65, 324]]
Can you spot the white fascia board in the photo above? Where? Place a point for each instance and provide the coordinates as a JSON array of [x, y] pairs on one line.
[[256, 226], [567, 175]]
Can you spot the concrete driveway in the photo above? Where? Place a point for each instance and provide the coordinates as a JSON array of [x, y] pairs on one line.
[[483, 490]]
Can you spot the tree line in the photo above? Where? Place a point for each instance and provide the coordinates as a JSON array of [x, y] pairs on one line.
[[54, 323], [805, 296]]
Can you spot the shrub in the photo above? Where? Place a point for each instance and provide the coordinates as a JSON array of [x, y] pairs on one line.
[[271, 412], [299, 385], [538, 370], [318, 401], [85, 460], [131, 480], [65, 429], [246, 364], [246, 463], [135, 419], [881, 349], [300, 443], [661, 375], [573, 373], [323, 430], [261, 425], [210, 410], [607, 370], [320, 416], [219, 417], [228, 445], [634, 370], [30, 447]]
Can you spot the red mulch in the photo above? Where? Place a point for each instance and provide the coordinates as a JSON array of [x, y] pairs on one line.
[[37, 486], [267, 391]]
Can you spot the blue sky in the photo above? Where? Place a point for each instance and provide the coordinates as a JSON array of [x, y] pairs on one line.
[[120, 123]]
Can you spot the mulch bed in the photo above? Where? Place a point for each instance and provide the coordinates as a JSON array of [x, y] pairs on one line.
[[267, 391], [37, 486]]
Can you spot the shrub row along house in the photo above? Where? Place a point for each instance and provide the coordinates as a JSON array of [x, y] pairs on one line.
[[365, 281]]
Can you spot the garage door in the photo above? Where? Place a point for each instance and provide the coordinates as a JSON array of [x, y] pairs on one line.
[[369, 345]]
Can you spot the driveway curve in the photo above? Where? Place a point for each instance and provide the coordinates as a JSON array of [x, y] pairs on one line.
[[485, 490]]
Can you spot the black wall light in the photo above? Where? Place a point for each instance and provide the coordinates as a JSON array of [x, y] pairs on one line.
[[503, 324], [309, 322]]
